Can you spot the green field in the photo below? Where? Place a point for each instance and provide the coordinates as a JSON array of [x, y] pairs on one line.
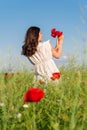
[[64, 106]]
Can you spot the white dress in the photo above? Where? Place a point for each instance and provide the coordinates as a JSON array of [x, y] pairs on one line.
[[44, 64]]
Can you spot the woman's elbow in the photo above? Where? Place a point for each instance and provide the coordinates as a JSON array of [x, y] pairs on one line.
[[57, 56]]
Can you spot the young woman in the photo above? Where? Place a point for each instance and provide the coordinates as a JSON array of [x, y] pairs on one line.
[[41, 53]]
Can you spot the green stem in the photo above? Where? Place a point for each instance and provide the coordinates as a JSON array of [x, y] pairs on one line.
[[34, 116]]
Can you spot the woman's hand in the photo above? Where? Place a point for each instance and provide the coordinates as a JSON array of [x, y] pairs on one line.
[[60, 39]]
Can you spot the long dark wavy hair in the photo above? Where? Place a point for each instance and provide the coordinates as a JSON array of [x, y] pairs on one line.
[[31, 41]]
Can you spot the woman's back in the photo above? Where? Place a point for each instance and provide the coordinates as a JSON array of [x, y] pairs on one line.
[[42, 59]]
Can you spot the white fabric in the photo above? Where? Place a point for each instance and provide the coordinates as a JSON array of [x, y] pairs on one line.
[[42, 59]]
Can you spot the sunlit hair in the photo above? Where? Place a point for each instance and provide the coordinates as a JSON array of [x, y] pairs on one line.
[[31, 41]]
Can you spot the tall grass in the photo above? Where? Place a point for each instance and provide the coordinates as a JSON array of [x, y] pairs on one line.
[[64, 106]]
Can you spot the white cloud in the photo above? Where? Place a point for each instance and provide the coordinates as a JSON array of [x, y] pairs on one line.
[[65, 57]]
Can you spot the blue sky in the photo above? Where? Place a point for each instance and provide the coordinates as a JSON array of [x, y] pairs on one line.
[[16, 16]]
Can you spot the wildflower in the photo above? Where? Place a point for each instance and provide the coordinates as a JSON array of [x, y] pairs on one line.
[[19, 115], [33, 95], [1, 104], [41, 81], [7, 75], [25, 106], [55, 75]]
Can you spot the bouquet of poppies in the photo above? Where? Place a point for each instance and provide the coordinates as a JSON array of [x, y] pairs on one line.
[[55, 33]]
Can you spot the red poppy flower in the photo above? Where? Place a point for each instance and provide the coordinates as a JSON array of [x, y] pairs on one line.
[[55, 75], [33, 95], [58, 33], [55, 33], [7, 75]]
